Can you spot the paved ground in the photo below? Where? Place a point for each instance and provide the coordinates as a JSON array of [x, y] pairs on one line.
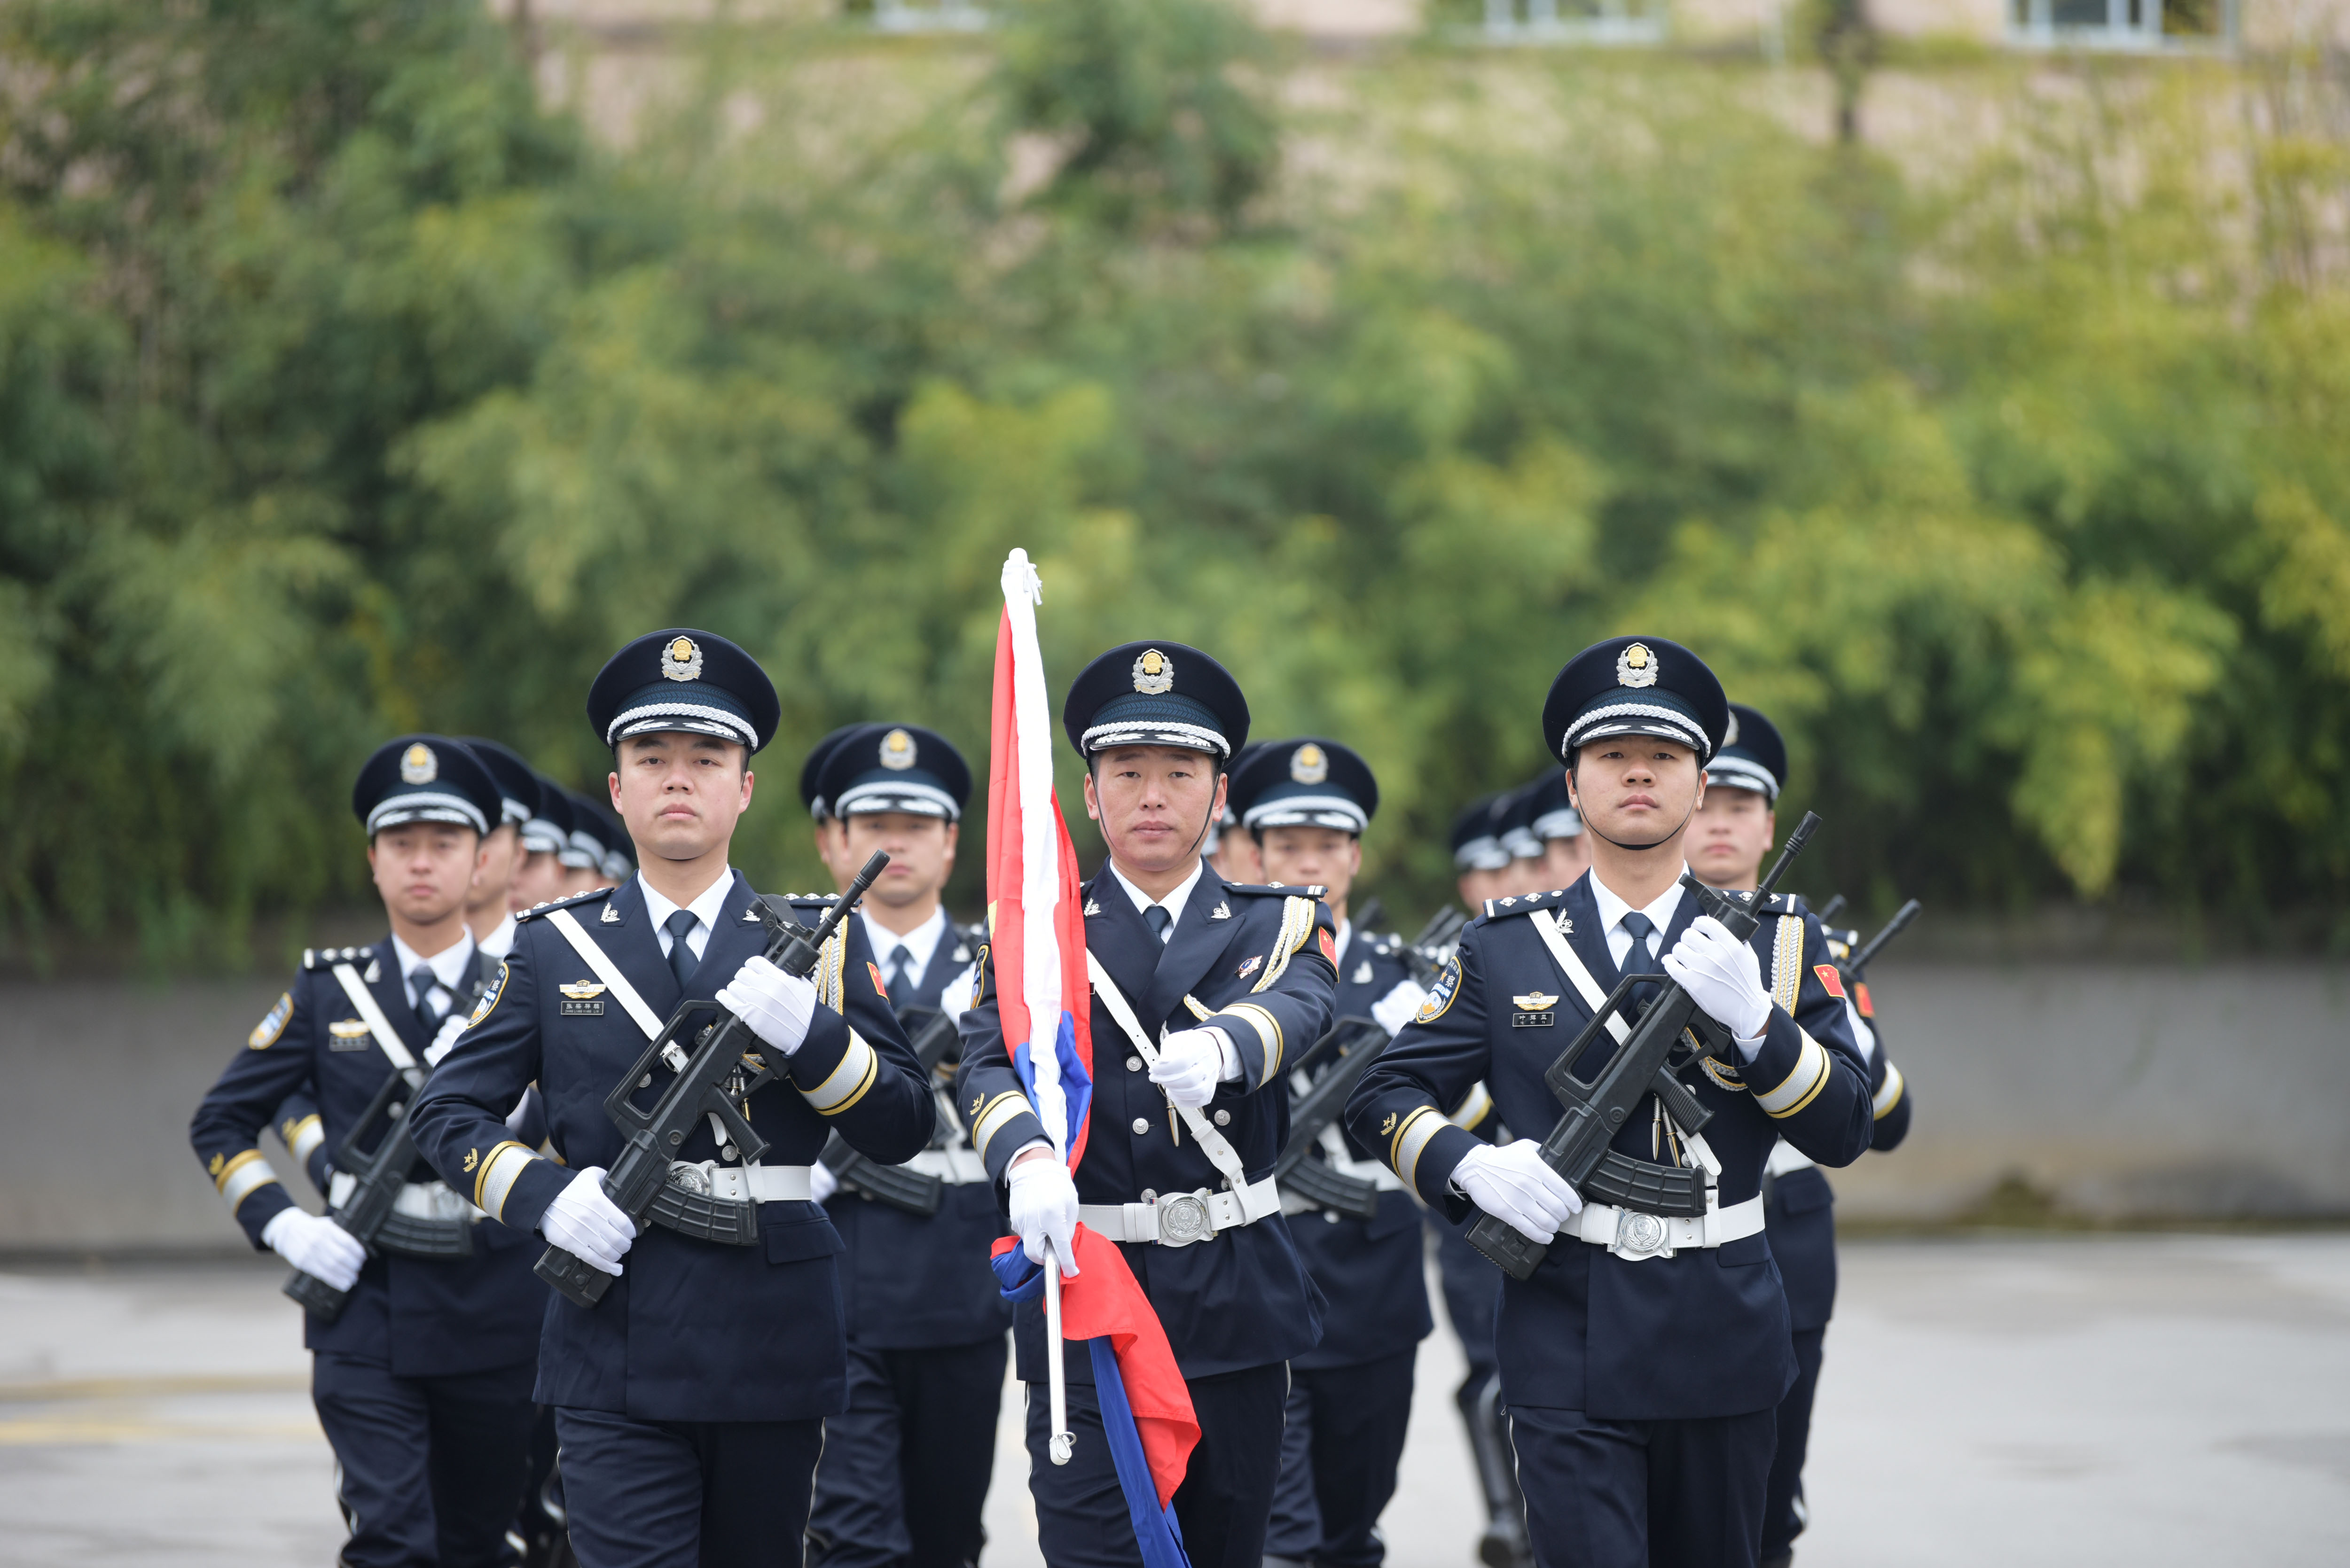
[[2153, 1400]]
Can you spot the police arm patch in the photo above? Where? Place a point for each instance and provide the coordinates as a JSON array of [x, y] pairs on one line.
[[1829, 978], [1441, 994], [874, 969], [265, 1033], [497, 988]]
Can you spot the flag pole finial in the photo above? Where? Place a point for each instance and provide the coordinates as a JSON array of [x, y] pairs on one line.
[[1020, 578]]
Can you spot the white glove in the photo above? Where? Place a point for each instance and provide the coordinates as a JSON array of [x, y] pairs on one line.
[[1399, 1007], [316, 1245], [1725, 978], [822, 1183], [586, 1224], [1044, 1206], [777, 1006], [1190, 1064], [1512, 1184], [446, 1040]]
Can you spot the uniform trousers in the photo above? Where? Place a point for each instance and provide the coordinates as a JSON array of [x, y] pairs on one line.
[[1220, 1508], [429, 1470], [1643, 1494], [1783, 1510], [686, 1494], [903, 1480], [1340, 1450]]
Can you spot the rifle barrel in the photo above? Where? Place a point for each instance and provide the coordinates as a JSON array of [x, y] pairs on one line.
[[1893, 927]]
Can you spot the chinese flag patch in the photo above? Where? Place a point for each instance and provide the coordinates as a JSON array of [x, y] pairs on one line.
[[883, 992], [1860, 998], [1329, 949], [1829, 978]]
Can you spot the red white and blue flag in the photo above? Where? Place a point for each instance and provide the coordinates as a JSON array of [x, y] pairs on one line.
[[1036, 943]]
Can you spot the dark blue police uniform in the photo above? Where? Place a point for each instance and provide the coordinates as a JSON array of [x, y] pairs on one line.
[[1237, 1304], [691, 1400], [903, 1480], [422, 1383], [1641, 1386]]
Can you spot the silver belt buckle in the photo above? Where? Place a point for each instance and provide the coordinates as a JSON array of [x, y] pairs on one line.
[[1639, 1236], [692, 1178], [1184, 1218]]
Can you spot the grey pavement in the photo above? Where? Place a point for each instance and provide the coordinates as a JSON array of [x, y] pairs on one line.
[[2020, 1401]]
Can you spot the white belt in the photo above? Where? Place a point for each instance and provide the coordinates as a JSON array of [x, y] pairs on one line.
[[1786, 1158], [1181, 1219], [1633, 1235], [417, 1200], [957, 1165], [742, 1183]]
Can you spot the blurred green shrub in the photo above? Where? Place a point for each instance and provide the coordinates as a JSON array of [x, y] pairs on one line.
[[343, 391]]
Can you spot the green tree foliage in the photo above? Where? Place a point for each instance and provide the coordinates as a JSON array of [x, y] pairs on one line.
[[343, 391]]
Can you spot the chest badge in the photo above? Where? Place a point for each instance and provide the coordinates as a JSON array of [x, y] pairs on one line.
[[1249, 968], [1535, 1010], [581, 998], [350, 1034]]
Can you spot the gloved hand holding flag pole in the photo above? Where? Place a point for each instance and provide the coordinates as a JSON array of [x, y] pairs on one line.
[[1036, 953]]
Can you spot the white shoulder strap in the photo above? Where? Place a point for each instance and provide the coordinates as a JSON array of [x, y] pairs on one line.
[[1576, 973], [1217, 1148], [386, 1037], [600, 963]]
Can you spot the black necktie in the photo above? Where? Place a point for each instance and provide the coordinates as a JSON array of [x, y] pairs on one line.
[[1641, 960], [901, 968], [681, 960], [424, 980], [1161, 922]]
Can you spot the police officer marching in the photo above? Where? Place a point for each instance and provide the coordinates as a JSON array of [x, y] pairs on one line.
[[691, 1399], [903, 1481], [1305, 804], [1202, 987], [1643, 1361], [489, 911], [1733, 830], [421, 1365]]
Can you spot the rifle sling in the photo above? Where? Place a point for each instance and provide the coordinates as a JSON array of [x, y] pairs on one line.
[[1219, 1148]]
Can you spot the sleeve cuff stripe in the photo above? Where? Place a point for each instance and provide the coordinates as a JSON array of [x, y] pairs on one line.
[[1475, 1107], [1802, 1087], [507, 1161], [1268, 1034], [308, 1134], [1411, 1137], [1890, 1094], [998, 1114], [240, 1178], [848, 1081]]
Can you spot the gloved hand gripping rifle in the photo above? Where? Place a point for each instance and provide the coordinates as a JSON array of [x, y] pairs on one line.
[[369, 1213], [1667, 1035], [719, 1047]]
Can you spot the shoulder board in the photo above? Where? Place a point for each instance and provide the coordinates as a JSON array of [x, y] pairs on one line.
[[1521, 904], [811, 900], [587, 898], [1387, 946], [1276, 890], [327, 958]]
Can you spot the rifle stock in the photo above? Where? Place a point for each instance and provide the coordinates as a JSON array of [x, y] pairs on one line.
[[914, 1191]]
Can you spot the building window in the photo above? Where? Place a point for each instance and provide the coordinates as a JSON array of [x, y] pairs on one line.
[[2140, 25], [1575, 21]]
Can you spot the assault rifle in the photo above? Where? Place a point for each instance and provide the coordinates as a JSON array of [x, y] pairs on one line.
[[1857, 965], [369, 1213], [911, 1190], [1358, 1042], [1645, 1063], [640, 1174]]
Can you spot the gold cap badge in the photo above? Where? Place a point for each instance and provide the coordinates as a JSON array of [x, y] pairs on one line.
[[897, 751], [418, 765], [1308, 764], [681, 660], [1154, 673], [1636, 665]]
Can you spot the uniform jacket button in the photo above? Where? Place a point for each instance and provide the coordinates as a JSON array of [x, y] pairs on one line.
[[1223, 1118], [1141, 1125], [1134, 1064]]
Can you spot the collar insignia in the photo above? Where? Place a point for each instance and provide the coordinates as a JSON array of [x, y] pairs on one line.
[[681, 660], [1222, 912], [581, 990], [1363, 974], [612, 914], [1535, 1001], [1249, 968], [1093, 907], [961, 954], [751, 917], [374, 972]]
